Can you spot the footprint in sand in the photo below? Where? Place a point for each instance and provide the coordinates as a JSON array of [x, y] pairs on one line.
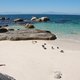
[[44, 47], [34, 42], [62, 51], [52, 47], [56, 75], [44, 43], [57, 47]]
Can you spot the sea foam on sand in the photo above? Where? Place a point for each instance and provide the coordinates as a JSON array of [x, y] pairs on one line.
[[28, 60]]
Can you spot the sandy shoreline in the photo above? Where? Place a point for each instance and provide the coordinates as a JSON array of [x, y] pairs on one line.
[[30, 61]]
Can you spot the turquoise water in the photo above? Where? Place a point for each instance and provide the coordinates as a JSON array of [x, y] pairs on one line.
[[64, 26], [69, 31]]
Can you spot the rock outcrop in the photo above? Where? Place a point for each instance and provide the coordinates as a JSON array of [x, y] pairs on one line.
[[3, 30], [28, 34], [38, 20], [42, 19], [18, 20], [30, 26], [33, 18], [2, 18], [6, 77]]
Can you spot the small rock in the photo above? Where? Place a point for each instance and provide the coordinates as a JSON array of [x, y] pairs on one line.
[[11, 29], [0, 26]]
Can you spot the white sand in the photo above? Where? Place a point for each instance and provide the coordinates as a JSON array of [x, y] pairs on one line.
[[27, 61]]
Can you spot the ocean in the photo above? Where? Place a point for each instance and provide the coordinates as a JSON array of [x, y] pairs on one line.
[[64, 26]]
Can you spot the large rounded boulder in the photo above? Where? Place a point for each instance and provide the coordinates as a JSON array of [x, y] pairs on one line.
[[3, 30], [30, 26], [28, 34], [44, 19], [33, 18], [18, 20], [2, 18], [38, 20], [6, 77]]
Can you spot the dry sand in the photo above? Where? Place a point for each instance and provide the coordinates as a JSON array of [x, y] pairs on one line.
[[27, 60]]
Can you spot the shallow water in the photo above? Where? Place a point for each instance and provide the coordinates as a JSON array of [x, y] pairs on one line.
[[64, 26]]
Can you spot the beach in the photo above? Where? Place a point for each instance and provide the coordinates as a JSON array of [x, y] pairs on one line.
[[39, 39], [29, 60], [43, 48]]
